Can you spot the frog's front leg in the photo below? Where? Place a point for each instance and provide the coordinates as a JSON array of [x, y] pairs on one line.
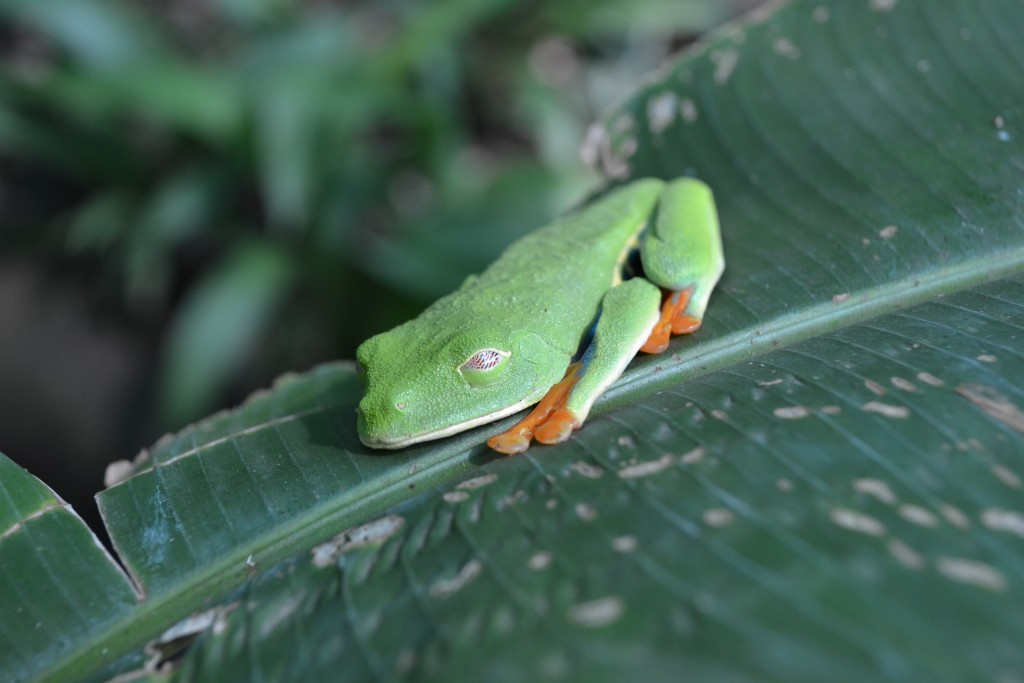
[[628, 313], [682, 252]]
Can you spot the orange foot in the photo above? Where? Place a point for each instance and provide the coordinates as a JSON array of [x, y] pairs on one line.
[[550, 420], [673, 320]]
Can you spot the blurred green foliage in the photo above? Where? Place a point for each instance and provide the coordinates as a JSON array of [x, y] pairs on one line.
[[257, 185]]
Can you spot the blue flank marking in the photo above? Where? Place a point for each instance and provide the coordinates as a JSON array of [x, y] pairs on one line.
[[586, 353], [586, 349]]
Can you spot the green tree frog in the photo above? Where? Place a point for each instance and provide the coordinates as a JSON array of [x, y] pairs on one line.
[[553, 322]]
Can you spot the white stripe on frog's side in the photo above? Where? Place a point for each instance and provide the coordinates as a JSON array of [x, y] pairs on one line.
[[403, 441]]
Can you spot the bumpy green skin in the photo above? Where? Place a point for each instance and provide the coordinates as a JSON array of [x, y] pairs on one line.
[[685, 248], [537, 303]]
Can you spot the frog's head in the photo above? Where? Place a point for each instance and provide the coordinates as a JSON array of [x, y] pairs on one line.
[[426, 384]]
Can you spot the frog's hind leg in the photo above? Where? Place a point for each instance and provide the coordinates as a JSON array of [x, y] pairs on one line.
[[628, 313], [682, 253]]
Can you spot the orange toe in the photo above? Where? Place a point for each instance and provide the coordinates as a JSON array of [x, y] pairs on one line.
[[509, 443], [673, 320], [658, 341], [558, 427], [684, 324]]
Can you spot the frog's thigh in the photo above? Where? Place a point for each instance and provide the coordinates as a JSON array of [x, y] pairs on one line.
[[683, 250], [628, 312]]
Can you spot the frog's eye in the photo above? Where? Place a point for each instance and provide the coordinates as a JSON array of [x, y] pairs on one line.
[[484, 367]]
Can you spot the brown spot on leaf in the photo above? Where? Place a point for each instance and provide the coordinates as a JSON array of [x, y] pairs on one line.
[[791, 412], [994, 404], [899, 412]]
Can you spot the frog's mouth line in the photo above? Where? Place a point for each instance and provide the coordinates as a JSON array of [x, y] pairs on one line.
[[410, 439]]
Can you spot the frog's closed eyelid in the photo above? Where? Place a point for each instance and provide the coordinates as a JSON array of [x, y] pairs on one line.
[[484, 360], [485, 368]]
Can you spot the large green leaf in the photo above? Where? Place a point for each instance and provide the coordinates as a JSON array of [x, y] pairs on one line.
[[823, 483], [779, 520]]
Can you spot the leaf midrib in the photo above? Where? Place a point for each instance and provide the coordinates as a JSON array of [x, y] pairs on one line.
[[791, 328]]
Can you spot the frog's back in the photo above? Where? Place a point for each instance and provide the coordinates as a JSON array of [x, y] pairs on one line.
[[553, 280]]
